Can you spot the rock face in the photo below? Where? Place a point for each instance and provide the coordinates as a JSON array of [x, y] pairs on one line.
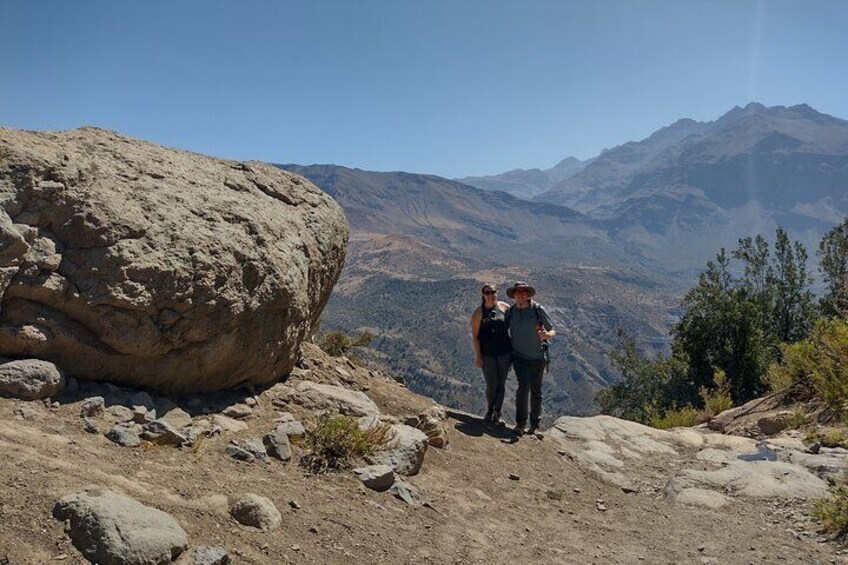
[[111, 529], [128, 262]]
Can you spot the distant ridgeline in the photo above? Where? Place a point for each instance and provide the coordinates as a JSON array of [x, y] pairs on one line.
[[611, 243]]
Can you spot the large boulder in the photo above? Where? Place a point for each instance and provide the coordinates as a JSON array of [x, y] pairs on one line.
[[30, 379], [111, 529], [128, 262]]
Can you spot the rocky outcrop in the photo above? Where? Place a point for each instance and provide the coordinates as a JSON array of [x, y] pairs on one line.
[[693, 466], [128, 262]]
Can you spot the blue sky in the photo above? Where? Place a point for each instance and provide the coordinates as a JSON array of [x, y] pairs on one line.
[[454, 87]]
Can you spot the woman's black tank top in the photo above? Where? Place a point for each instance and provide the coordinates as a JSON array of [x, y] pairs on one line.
[[494, 334]]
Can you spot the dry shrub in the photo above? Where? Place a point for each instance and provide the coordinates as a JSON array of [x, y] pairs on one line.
[[337, 441]]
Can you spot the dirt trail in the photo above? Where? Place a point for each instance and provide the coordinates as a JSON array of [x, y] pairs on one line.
[[552, 513]]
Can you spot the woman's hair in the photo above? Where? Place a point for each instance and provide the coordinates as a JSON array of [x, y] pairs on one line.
[[483, 298]]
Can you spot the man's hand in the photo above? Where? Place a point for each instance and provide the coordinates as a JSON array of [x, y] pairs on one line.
[[543, 335]]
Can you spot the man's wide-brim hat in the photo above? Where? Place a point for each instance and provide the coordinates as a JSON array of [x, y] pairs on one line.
[[531, 292]]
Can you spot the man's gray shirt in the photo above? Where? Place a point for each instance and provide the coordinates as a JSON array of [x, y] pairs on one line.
[[522, 330]]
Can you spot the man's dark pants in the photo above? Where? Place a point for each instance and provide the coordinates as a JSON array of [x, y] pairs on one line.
[[529, 373]]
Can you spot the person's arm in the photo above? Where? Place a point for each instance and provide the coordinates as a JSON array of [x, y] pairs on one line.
[[547, 330], [476, 318]]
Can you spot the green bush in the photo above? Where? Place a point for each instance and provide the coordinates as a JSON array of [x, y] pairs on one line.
[[819, 362], [833, 511], [683, 418], [338, 343], [829, 438], [797, 419], [336, 441], [716, 399]]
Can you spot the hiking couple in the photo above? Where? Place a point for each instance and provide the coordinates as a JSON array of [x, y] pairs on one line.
[[514, 335]]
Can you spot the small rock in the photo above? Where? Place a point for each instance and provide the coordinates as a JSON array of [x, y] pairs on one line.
[[30, 379], [295, 505], [513, 477], [92, 407], [600, 506], [376, 477], [251, 401], [313, 530], [26, 412], [278, 445], [162, 433], [255, 447], [178, 418], [210, 556], [228, 424], [285, 417], [120, 413], [404, 452], [238, 411], [406, 492], [123, 436], [293, 429], [237, 452], [89, 426], [143, 415], [256, 511]]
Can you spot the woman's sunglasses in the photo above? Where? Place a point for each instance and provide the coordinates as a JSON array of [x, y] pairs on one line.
[[490, 292]]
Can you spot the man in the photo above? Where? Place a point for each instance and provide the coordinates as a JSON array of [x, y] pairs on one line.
[[530, 330]]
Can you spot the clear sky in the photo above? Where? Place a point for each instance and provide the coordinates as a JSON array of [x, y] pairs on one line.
[[450, 87]]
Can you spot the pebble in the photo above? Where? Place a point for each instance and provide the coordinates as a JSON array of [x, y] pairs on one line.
[[513, 477]]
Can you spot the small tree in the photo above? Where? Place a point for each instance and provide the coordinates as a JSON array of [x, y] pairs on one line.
[[833, 254]]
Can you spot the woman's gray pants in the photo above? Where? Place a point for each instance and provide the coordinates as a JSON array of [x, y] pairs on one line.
[[495, 370]]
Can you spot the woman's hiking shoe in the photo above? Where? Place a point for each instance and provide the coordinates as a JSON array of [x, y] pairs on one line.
[[518, 429], [532, 431]]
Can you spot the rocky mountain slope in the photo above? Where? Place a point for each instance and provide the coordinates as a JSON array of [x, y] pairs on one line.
[[701, 185], [593, 490]]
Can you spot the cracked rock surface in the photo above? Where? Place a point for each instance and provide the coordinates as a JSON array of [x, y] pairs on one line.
[[124, 261]]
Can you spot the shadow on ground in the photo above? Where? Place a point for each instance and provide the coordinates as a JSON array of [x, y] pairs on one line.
[[475, 426]]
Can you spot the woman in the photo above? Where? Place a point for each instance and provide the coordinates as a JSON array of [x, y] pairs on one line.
[[492, 348]]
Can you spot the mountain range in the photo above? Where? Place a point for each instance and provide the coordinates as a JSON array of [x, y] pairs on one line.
[[611, 243], [702, 185]]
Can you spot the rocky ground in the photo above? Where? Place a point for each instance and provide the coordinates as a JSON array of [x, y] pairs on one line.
[[593, 490]]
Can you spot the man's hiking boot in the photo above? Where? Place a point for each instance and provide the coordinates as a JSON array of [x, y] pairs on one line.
[[518, 429], [497, 420]]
